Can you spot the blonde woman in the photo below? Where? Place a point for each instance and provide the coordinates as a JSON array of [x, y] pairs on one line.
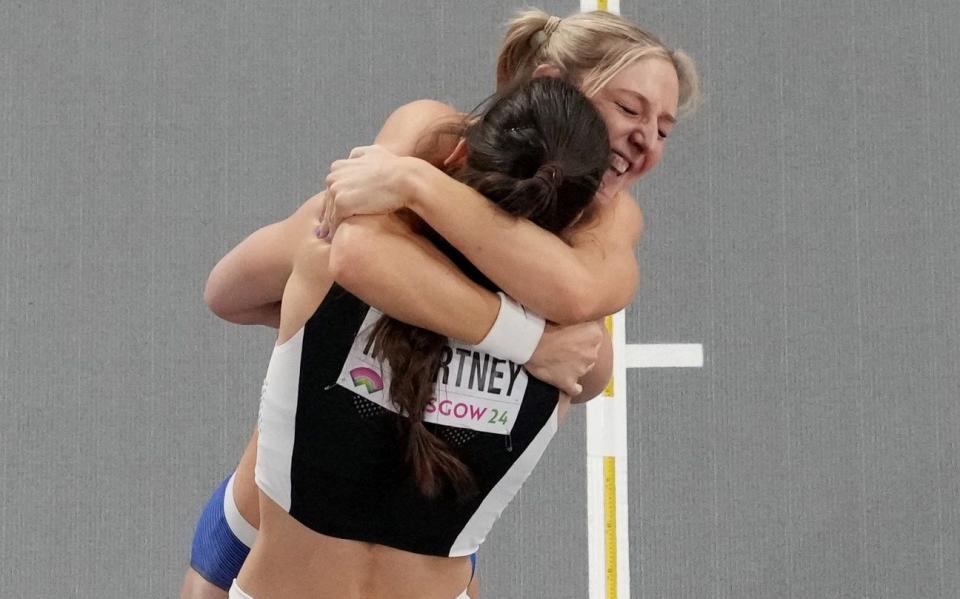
[[639, 86]]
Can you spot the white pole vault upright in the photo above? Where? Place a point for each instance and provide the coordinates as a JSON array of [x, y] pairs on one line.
[[607, 5], [608, 532]]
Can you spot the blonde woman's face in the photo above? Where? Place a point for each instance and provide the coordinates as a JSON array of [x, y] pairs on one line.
[[639, 106]]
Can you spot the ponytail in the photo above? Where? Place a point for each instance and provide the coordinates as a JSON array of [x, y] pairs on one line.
[[414, 356], [523, 46]]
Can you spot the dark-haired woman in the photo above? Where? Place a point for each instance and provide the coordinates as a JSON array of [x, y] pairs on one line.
[[563, 356], [387, 452]]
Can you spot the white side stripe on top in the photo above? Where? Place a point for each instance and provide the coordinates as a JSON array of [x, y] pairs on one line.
[[278, 417], [474, 533]]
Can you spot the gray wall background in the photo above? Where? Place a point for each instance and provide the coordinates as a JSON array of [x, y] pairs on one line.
[[803, 227]]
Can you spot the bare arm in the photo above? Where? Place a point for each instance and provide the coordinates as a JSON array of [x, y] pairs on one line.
[[379, 261], [427, 291], [592, 274], [246, 285]]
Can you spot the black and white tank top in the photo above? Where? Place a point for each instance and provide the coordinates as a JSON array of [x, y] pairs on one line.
[[330, 452]]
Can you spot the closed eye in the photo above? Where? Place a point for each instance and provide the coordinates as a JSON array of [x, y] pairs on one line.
[[627, 110]]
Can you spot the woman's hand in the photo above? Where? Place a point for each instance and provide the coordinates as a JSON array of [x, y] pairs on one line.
[[370, 181], [566, 354]]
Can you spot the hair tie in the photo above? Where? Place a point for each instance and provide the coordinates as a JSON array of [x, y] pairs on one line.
[[540, 38], [551, 25], [549, 174]]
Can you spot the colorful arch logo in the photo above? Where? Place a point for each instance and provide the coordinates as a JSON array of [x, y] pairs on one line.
[[363, 376]]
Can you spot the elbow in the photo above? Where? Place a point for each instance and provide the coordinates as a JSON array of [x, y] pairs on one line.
[[221, 300], [584, 298], [215, 299], [594, 384], [219, 303], [577, 303]]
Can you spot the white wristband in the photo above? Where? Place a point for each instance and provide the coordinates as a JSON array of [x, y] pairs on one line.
[[515, 334]]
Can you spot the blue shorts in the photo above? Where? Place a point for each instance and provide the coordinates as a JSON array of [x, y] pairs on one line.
[[218, 552]]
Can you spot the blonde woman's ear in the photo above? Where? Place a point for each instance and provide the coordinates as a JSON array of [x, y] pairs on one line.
[[459, 154], [547, 70]]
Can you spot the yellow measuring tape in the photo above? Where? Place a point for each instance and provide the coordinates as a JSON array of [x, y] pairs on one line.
[[610, 524], [610, 493]]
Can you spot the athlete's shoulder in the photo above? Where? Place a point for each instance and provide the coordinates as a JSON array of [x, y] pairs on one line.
[[612, 221], [629, 213], [426, 107], [422, 114], [416, 125]]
